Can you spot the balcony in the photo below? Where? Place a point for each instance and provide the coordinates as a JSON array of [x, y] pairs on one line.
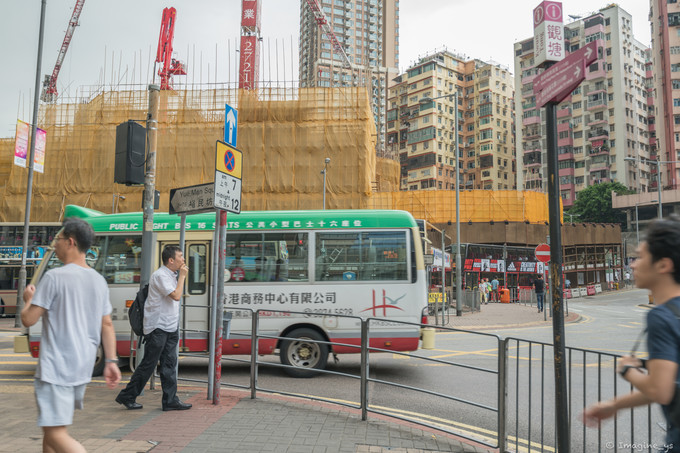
[[596, 105], [600, 134], [564, 112], [531, 120]]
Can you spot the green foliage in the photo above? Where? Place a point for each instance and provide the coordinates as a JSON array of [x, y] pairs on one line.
[[594, 204]]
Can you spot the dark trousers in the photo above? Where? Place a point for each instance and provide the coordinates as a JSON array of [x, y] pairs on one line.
[[159, 346]]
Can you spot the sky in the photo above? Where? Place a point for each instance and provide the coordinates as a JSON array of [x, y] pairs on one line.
[[116, 42]]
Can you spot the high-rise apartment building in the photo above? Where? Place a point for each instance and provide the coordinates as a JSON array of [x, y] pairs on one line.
[[420, 127], [665, 20], [367, 31], [603, 121]]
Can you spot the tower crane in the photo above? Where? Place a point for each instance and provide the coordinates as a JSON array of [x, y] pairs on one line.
[[49, 92], [321, 20], [170, 66]]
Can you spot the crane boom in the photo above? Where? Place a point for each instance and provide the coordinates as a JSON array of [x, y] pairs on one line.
[[49, 93], [321, 20], [164, 52]]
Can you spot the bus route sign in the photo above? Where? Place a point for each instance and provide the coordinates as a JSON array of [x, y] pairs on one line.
[[228, 171]]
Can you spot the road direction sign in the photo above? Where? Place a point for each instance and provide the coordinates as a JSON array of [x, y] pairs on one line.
[[230, 124], [192, 199], [543, 253], [228, 172], [557, 82]]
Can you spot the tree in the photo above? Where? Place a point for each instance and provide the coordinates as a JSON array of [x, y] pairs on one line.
[[594, 204]]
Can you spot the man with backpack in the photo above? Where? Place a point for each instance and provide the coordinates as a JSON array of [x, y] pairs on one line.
[[161, 333], [657, 268]]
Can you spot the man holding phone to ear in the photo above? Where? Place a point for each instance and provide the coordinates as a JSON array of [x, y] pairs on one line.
[[656, 268], [161, 333]]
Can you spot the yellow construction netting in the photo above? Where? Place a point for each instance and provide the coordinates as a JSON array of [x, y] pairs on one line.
[[438, 206], [285, 136]]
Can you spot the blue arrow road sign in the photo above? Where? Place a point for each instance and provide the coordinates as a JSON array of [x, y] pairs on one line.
[[230, 124]]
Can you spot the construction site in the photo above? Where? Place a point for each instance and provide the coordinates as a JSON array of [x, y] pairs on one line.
[[285, 132]]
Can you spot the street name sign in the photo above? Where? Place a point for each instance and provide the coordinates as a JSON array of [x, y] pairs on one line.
[[193, 199], [228, 172], [542, 253], [557, 82]]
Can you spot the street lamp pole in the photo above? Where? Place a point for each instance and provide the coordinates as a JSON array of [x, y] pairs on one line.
[[325, 168], [459, 280], [637, 220], [658, 188], [459, 293]]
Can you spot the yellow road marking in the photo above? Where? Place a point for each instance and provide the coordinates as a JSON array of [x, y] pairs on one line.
[[17, 372], [18, 363], [22, 354]]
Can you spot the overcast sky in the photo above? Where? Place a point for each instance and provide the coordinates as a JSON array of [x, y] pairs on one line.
[[114, 36]]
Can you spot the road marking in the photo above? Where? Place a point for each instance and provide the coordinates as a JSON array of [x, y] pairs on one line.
[[627, 327], [23, 354], [17, 372], [18, 363]]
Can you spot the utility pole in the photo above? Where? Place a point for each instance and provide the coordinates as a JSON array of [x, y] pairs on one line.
[[149, 185], [29, 184]]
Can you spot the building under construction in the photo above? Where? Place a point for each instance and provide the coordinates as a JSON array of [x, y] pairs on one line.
[[285, 136]]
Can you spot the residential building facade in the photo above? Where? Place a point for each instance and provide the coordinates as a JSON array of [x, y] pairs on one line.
[[665, 21], [368, 32], [602, 122], [421, 121]]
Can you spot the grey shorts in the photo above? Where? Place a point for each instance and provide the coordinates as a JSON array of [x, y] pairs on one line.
[[56, 403]]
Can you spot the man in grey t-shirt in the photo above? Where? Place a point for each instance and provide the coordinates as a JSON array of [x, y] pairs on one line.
[[73, 302]]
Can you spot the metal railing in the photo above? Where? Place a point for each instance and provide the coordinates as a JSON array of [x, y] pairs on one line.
[[591, 377], [514, 412]]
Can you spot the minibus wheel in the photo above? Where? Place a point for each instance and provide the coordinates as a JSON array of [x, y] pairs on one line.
[[302, 354]]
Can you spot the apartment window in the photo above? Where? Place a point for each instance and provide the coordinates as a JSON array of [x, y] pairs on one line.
[[673, 19], [676, 102]]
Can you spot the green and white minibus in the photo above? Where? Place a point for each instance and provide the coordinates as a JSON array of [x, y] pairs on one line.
[[360, 263]]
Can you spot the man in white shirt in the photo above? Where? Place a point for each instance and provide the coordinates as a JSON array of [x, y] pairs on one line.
[[161, 333], [73, 302]]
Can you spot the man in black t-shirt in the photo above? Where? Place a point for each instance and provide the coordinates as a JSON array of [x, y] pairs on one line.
[[657, 269], [539, 288]]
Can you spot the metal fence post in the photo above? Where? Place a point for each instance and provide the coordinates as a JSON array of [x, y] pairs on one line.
[[502, 393], [253, 355], [364, 369]]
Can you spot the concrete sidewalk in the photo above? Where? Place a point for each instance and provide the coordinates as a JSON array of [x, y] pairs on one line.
[[269, 423], [238, 424]]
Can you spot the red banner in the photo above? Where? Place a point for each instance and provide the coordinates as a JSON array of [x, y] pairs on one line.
[[249, 62], [250, 13]]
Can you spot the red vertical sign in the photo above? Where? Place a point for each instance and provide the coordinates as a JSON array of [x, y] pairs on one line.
[[249, 63], [250, 13]]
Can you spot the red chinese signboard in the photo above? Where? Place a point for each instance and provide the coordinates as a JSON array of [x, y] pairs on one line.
[[250, 13], [249, 63]]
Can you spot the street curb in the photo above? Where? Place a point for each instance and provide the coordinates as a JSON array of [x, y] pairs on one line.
[[548, 322]]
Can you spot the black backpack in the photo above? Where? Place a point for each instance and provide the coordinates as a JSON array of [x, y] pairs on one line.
[[136, 311]]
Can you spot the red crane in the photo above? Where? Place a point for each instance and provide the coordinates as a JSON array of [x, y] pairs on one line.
[[322, 21], [49, 93], [170, 66]]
